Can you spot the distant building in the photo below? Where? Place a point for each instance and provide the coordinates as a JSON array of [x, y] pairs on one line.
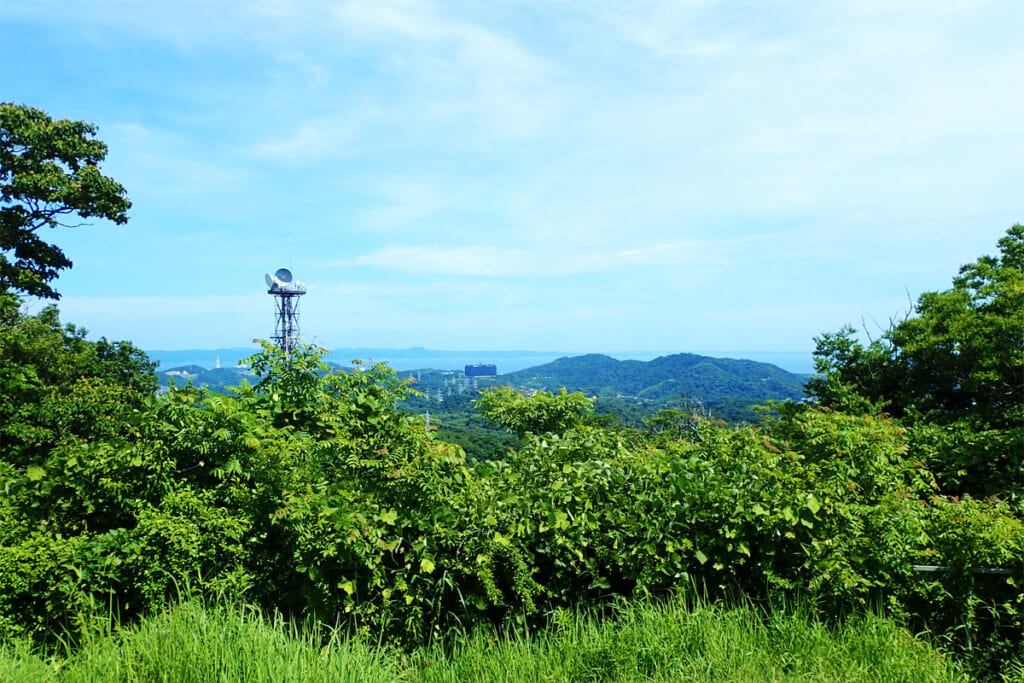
[[482, 370]]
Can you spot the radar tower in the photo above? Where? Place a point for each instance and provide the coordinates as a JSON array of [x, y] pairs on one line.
[[286, 295]]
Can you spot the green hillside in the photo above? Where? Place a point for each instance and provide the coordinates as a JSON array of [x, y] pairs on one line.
[[215, 379], [631, 390], [664, 379]]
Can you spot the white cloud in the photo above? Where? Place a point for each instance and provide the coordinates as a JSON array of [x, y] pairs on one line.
[[484, 261], [666, 27], [471, 47], [560, 259], [401, 203], [315, 139], [168, 167], [459, 70]]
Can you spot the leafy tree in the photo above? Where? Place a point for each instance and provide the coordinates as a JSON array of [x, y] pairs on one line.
[[48, 171], [679, 424], [50, 373], [953, 370], [543, 412]]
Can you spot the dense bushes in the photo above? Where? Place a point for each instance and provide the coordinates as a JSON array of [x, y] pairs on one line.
[[311, 494]]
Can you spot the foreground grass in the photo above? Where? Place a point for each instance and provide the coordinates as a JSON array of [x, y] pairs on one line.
[[671, 642], [191, 642]]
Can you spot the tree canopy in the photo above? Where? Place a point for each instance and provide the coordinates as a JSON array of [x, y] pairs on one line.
[[953, 370], [56, 385], [538, 414], [49, 171]]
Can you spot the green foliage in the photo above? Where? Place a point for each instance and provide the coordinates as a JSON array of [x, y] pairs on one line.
[[977, 611], [678, 423], [130, 517], [625, 393], [310, 493], [954, 371], [477, 438], [540, 413], [106, 501], [57, 386], [48, 170]]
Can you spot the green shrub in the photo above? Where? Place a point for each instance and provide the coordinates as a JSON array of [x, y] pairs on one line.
[[311, 494]]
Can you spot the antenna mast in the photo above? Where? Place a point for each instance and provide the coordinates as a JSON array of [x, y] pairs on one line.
[[286, 295]]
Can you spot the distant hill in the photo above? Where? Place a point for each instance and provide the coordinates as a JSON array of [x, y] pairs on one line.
[[205, 358], [217, 379], [727, 386]]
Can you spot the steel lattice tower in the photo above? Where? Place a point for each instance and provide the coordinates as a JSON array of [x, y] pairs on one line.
[[286, 308]]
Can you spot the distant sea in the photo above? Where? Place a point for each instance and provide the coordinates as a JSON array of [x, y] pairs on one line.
[[800, 362]]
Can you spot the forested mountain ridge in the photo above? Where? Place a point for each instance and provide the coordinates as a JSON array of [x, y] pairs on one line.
[[633, 390], [659, 381], [664, 378]]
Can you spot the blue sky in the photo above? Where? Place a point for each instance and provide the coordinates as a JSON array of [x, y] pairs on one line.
[[573, 175]]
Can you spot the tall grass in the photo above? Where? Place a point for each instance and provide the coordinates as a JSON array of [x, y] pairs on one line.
[[669, 642], [191, 642], [675, 642]]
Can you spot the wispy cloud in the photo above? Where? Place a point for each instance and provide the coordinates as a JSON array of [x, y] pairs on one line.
[[672, 29], [402, 203], [166, 166], [486, 261], [555, 260], [314, 139], [458, 69]]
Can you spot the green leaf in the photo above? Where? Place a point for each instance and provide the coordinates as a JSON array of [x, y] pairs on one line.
[[812, 504], [701, 557], [35, 472], [427, 565], [561, 520]]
